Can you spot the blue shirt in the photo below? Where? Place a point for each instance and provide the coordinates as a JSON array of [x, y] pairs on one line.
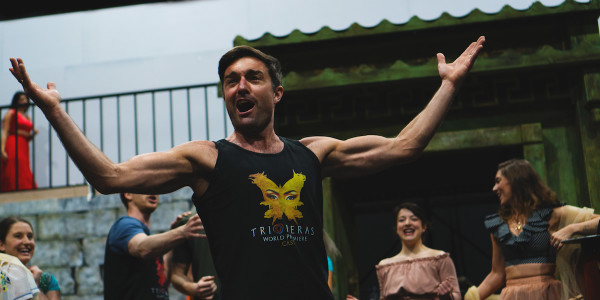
[[127, 276], [122, 231]]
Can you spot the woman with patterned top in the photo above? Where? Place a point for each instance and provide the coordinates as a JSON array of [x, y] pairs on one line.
[[417, 272], [16, 239], [526, 235]]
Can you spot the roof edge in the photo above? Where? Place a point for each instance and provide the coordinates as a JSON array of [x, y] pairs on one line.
[[416, 23]]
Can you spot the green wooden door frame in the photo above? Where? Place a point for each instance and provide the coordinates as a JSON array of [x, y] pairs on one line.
[[529, 136]]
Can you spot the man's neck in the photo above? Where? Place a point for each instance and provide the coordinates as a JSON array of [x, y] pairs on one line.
[[267, 142], [140, 216]]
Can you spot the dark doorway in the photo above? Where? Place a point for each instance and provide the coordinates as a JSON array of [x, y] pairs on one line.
[[455, 188]]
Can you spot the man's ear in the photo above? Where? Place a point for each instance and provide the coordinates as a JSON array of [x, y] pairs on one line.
[[127, 196], [278, 93]]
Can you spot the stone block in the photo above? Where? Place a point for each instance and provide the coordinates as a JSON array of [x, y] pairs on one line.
[[89, 280], [64, 278], [101, 221], [51, 226], [31, 207], [57, 253], [93, 251], [76, 204], [106, 201], [64, 226], [76, 225]]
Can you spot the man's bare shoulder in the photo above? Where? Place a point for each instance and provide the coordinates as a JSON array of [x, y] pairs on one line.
[[201, 152], [196, 145], [321, 146]]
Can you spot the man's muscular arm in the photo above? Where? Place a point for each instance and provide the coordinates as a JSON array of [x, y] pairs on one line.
[[153, 173], [370, 154], [149, 246]]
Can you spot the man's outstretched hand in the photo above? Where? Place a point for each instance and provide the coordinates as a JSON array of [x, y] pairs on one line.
[[45, 99], [456, 71]]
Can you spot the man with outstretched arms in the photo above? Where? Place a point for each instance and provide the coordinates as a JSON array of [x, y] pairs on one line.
[[258, 194]]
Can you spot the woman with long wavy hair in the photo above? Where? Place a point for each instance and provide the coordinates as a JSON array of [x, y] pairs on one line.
[[526, 236]]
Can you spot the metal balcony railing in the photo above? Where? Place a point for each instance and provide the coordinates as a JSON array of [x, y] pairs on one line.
[[124, 125]]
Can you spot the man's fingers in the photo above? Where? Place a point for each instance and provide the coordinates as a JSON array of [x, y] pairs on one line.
[[472, 51], [477, 47], [481, 40], [19, 71], [195, 218], [441, 58], [23, 71], [15, 69]]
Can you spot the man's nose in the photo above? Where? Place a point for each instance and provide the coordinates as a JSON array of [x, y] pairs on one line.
[[243, 85]]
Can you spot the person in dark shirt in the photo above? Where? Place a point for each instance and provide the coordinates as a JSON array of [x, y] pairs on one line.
[[192, 271], [259, 195], [133, 261]]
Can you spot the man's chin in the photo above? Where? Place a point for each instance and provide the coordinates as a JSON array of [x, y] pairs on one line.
[[250, 129], [150, 210]]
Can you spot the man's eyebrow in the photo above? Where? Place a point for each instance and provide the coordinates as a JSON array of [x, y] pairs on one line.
[[249, 72], [254, 72], [230, 74]]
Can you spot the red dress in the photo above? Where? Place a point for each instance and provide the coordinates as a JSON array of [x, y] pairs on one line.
[[15, 171]]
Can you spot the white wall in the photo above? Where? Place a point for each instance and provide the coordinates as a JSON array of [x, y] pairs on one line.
[[179, 43]]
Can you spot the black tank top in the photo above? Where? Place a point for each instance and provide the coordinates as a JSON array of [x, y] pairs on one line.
[[263, 214]]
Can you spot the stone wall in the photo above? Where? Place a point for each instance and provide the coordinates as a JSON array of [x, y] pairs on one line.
[[70, 236]]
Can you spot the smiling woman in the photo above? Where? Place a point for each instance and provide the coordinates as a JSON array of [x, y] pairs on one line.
[[417, 272], [527, 234], [17, 239]]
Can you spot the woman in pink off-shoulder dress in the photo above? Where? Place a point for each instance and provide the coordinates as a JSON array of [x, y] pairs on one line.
[[417, 272]]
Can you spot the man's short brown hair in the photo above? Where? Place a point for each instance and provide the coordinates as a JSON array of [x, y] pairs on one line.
[[238, 52]]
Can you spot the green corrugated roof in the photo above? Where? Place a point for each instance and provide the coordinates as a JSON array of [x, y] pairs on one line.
[[584, 53], [415, 23]]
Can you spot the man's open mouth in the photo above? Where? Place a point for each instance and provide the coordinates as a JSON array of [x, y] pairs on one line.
[[244, 105]]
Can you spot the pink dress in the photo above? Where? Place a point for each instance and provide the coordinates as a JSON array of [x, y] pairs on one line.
[[417, 278]]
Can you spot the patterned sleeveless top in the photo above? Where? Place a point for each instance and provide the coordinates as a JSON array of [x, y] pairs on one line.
[[531, 246]]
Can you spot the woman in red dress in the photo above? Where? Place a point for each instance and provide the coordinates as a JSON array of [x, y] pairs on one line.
[[15, 172]]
